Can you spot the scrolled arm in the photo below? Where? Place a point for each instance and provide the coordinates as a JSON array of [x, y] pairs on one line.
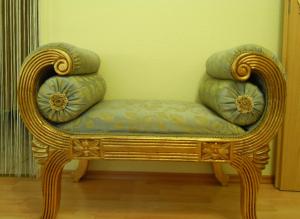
[[258, 65], [65, 59], [272, 76], [244, 63]]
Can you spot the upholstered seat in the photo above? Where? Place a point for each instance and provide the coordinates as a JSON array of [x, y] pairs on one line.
[[145, 116]]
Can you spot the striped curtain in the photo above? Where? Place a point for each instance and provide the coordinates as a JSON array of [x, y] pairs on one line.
[[18, 37]]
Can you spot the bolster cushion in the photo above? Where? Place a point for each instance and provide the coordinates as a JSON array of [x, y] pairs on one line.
[[241, 103], [63, 98], [219, 64], [83, 61]]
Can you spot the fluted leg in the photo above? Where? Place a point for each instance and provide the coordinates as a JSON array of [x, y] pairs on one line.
[[51, 183], [250, 178]]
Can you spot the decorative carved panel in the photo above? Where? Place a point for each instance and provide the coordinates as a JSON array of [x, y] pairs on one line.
[[87, 148], [212, 151]]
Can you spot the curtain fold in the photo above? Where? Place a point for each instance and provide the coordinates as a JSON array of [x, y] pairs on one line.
[[18, 37]]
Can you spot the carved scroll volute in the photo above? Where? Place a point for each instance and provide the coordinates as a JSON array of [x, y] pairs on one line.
[[32, 70], [241, 71], [62, 66]]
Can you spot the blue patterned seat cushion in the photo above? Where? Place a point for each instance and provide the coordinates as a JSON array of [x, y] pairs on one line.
[[150, 117]]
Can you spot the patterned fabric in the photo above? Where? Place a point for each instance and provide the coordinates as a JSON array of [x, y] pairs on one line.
[[222, 97], [84, 61], [63, 98], [162, 117], [219, 64]]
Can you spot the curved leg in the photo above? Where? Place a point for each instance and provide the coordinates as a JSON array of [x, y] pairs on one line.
[[219, 174], [51, 183], [81, 170], [250, 178]]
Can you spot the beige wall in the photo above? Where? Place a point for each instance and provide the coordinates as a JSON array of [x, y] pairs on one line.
[[157, 49]]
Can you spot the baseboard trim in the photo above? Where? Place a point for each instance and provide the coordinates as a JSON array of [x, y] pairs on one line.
[[127, 175]]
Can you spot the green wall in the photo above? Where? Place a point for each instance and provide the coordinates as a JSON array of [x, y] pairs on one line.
[[156, 49]]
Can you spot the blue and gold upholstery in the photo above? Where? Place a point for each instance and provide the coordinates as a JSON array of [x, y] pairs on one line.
[[241, 103], [160, 117], [63, 98]]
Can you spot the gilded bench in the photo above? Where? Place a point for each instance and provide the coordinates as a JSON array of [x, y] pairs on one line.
[[60, 97]]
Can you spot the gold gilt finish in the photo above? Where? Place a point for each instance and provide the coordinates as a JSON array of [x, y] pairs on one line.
[[216, 151], [248, 153], [86, 148]]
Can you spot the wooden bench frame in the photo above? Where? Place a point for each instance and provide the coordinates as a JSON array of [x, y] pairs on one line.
[[53, 148]]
